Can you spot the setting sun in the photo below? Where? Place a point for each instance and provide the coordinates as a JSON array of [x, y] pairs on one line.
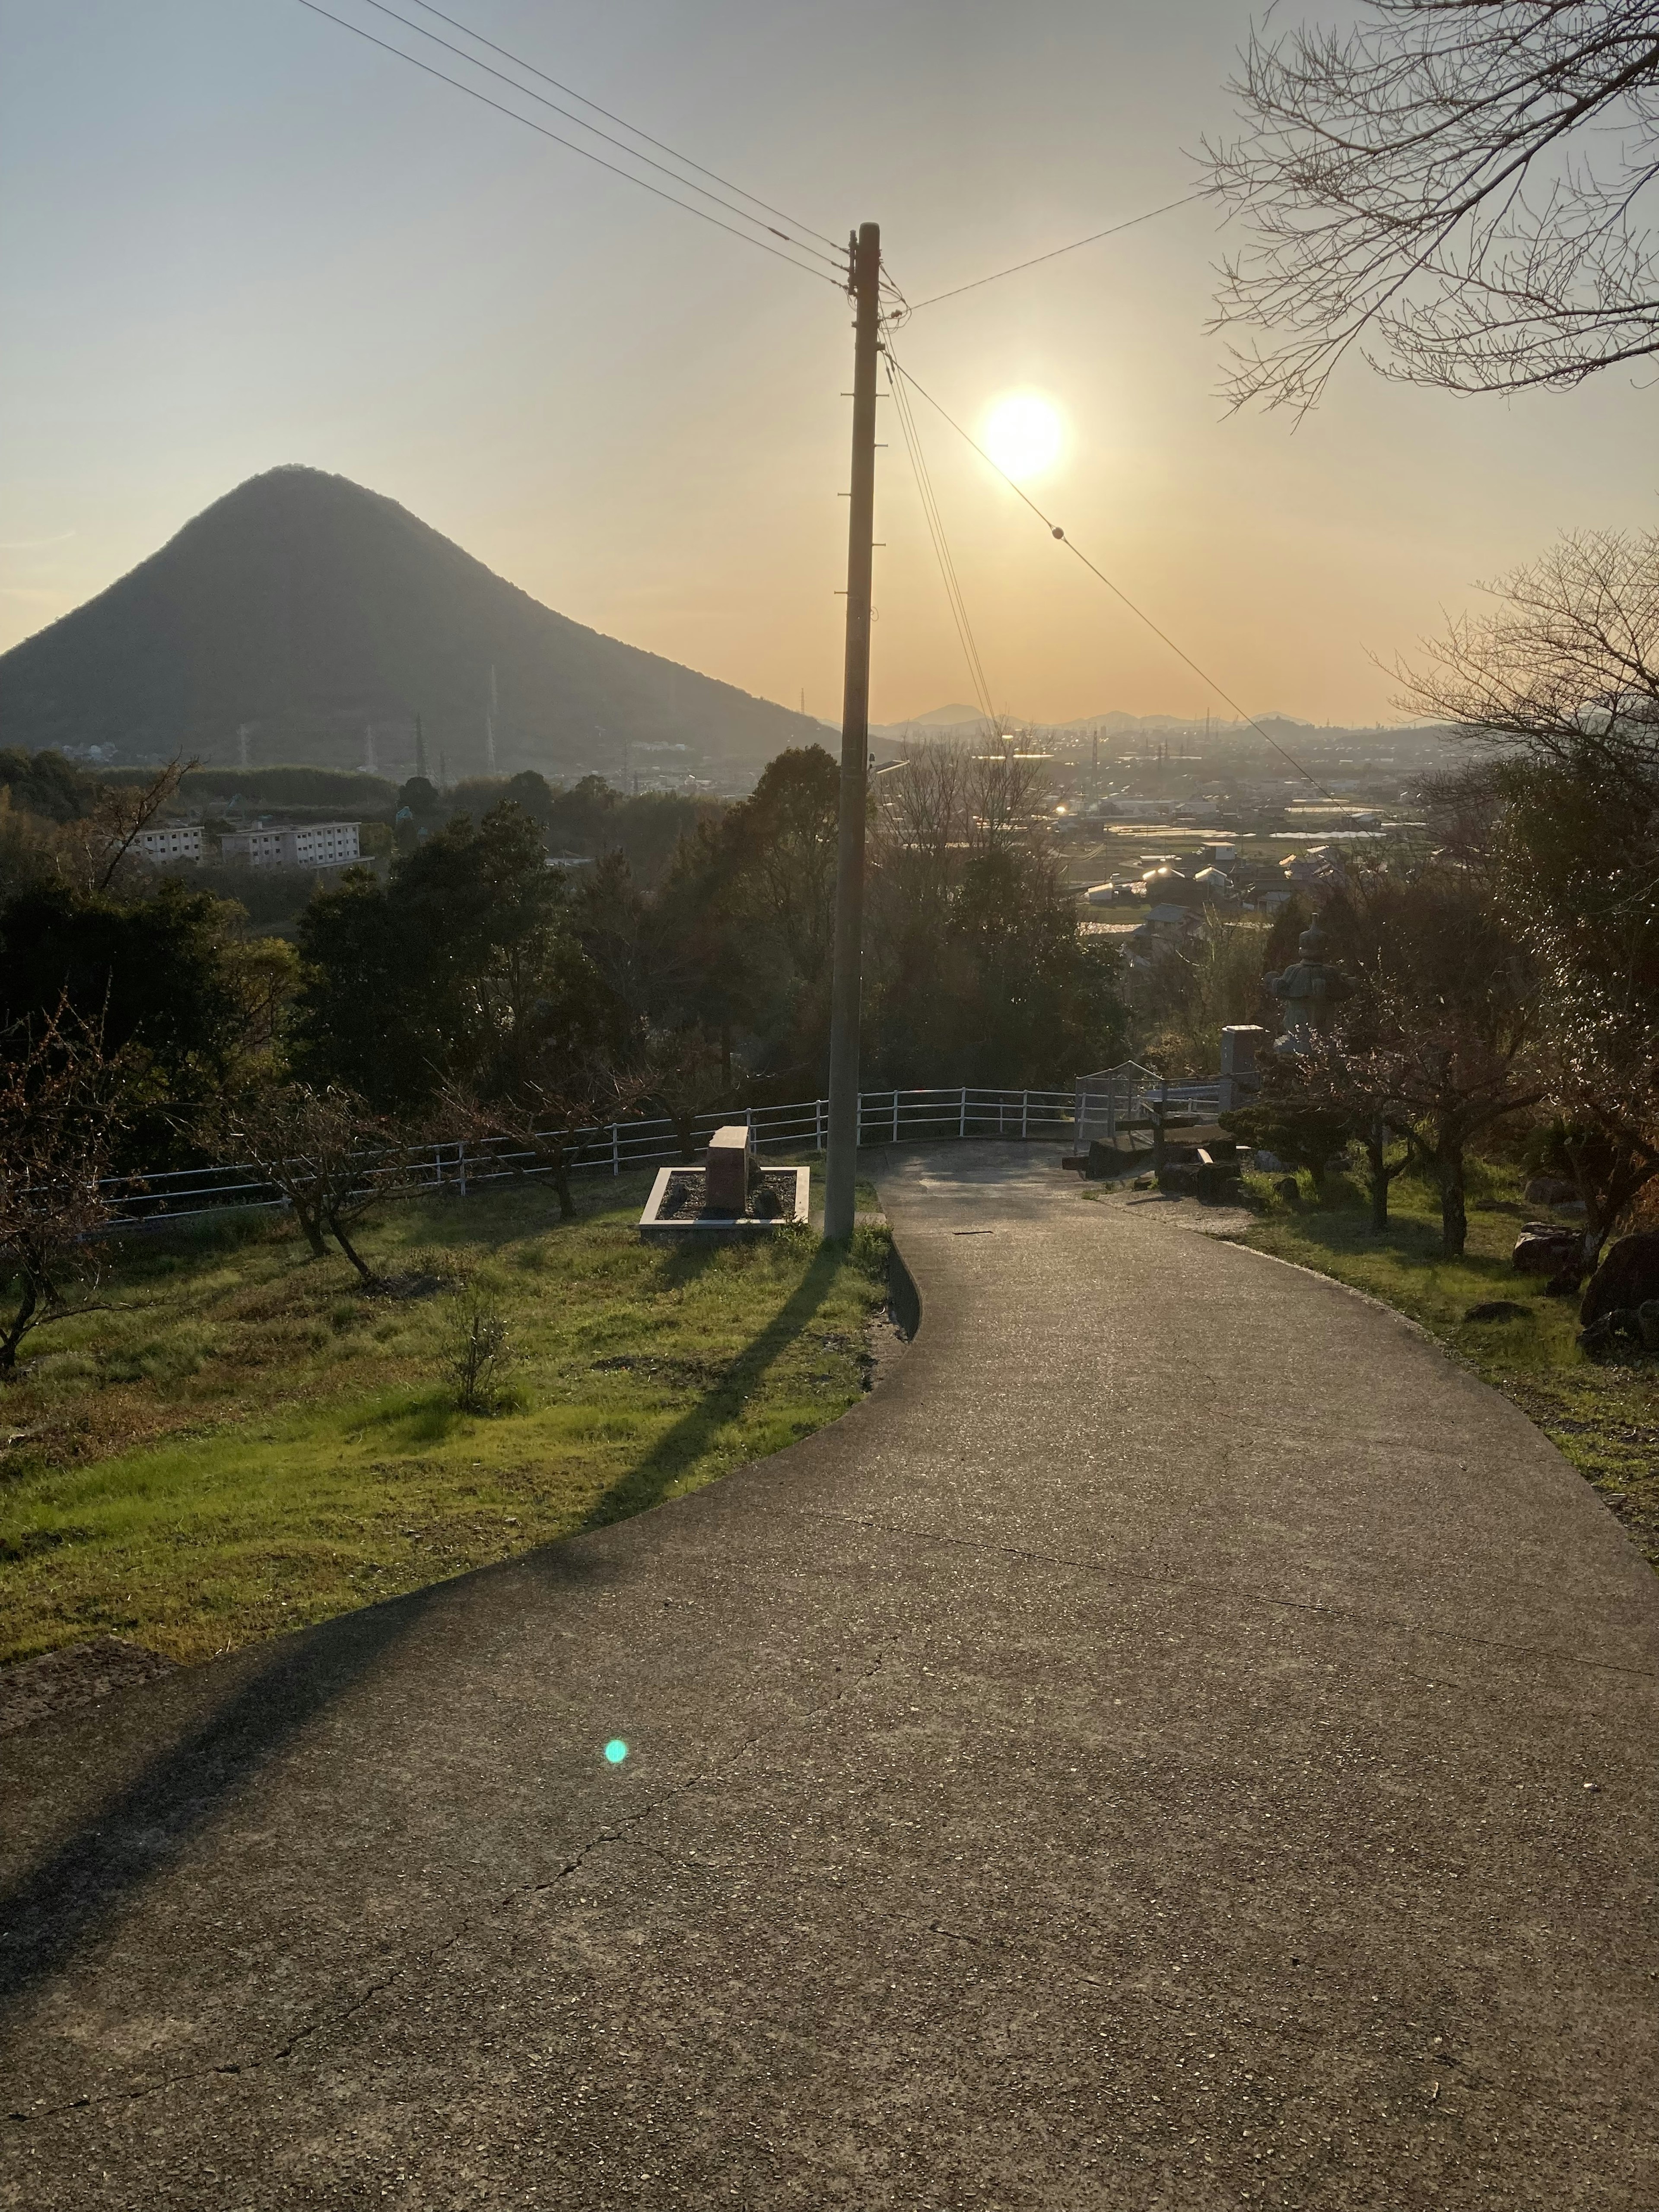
[[1023, 435]]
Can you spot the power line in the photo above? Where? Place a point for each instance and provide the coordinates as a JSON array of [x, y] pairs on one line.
[[1117, 591], [633, 153], [1093, 239], [570, 91], [541, 132], [953, 592]]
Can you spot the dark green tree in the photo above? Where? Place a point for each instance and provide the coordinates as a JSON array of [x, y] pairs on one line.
[[462, 966], [158, 978]]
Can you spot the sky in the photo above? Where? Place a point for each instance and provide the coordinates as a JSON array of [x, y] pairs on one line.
[[232, 235]]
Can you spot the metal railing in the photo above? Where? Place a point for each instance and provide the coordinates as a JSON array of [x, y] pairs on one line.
[[1130, 1097], [609, 1148]]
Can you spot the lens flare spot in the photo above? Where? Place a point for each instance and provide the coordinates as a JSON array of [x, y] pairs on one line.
[[615, 1751]]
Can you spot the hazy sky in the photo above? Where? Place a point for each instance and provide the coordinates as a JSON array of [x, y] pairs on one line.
[[233, 235]]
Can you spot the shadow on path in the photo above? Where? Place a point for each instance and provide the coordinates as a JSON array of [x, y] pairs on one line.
[[133, 1836], [649, 1482]]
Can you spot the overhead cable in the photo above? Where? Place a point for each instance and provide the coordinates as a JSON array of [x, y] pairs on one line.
[[911, 434], [621, 146], [1116, 590], [1093, 239], [570, 91], [586, 152]]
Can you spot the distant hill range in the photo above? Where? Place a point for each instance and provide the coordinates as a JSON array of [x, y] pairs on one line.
[[305, 612], [952, 720]]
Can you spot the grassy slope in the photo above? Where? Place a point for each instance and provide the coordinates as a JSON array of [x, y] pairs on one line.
[[1604, 1419], [245, 1443]]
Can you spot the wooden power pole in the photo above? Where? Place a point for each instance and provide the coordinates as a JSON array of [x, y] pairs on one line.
[[840, 1163]]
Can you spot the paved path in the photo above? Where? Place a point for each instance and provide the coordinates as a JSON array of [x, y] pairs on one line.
[[1180, 1744]]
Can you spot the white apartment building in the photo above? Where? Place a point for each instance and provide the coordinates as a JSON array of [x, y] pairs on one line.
[[294, 845], [177, 840]]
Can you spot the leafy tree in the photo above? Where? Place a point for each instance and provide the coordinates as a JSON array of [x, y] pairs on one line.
[[462, 965], [1450, 184], [975, 969], [745, 923], [1299, 1116], [45, 783], [172, 1003]]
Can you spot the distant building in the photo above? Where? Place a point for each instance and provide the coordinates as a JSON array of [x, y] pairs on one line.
[[178, 840], [294, 845]]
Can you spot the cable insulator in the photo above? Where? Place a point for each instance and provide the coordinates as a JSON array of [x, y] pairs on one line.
[[1059, 532]]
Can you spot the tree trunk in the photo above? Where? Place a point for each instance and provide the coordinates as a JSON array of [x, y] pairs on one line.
[[1378, 1179], [561, 1184], [313, 1233], [352, 1253], [18, 1327], [1454, 1214]]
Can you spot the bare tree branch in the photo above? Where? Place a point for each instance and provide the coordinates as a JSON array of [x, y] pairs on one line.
[[1461, 188]]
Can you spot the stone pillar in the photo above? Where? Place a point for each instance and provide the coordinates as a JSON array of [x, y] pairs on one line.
[[1241, 1073], [726, 1170]]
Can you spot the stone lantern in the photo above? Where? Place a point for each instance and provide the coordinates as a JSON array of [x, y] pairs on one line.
[[1309, 990]]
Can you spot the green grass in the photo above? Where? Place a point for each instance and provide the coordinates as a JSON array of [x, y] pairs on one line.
[[1604, 1419], [244, 1442]]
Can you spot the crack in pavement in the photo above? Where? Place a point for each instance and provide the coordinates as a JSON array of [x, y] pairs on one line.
[[337, 2016]]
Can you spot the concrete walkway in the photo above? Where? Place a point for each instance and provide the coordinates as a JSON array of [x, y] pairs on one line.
[[1180, 1744]]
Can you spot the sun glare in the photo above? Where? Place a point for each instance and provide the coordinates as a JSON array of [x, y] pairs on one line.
[[1023, 435]]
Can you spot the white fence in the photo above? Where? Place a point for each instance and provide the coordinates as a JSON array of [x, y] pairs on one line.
[[884, 1117]]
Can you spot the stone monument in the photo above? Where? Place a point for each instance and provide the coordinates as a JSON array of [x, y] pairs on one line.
[[726, 1169], [1309, 990]]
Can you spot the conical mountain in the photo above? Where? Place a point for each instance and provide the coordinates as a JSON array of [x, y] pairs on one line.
[[307, 610]]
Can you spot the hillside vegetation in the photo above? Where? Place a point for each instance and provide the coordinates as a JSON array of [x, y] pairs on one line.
[[241, 1442]]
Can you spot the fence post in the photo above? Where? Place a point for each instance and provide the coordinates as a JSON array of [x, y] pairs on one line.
[[818, 1122], [616, 1148], [1024, 1111], [962, 1119], [460, 1162], [895, 1117]]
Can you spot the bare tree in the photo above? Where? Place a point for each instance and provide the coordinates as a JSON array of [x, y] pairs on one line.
[[59, 1119], [545, 1117], [1456, 186], [1559, 810], [692, 1076], [95, 850], [1565, 664], [332, 1157]]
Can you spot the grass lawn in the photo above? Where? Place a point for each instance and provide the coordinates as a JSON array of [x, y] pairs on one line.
[[244, 1442], [1604, 1419]]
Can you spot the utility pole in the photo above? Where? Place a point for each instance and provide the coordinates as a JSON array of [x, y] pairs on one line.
[[841, 1165]]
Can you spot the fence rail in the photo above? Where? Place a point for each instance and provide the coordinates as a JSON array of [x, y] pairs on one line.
[[609, 1148]]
